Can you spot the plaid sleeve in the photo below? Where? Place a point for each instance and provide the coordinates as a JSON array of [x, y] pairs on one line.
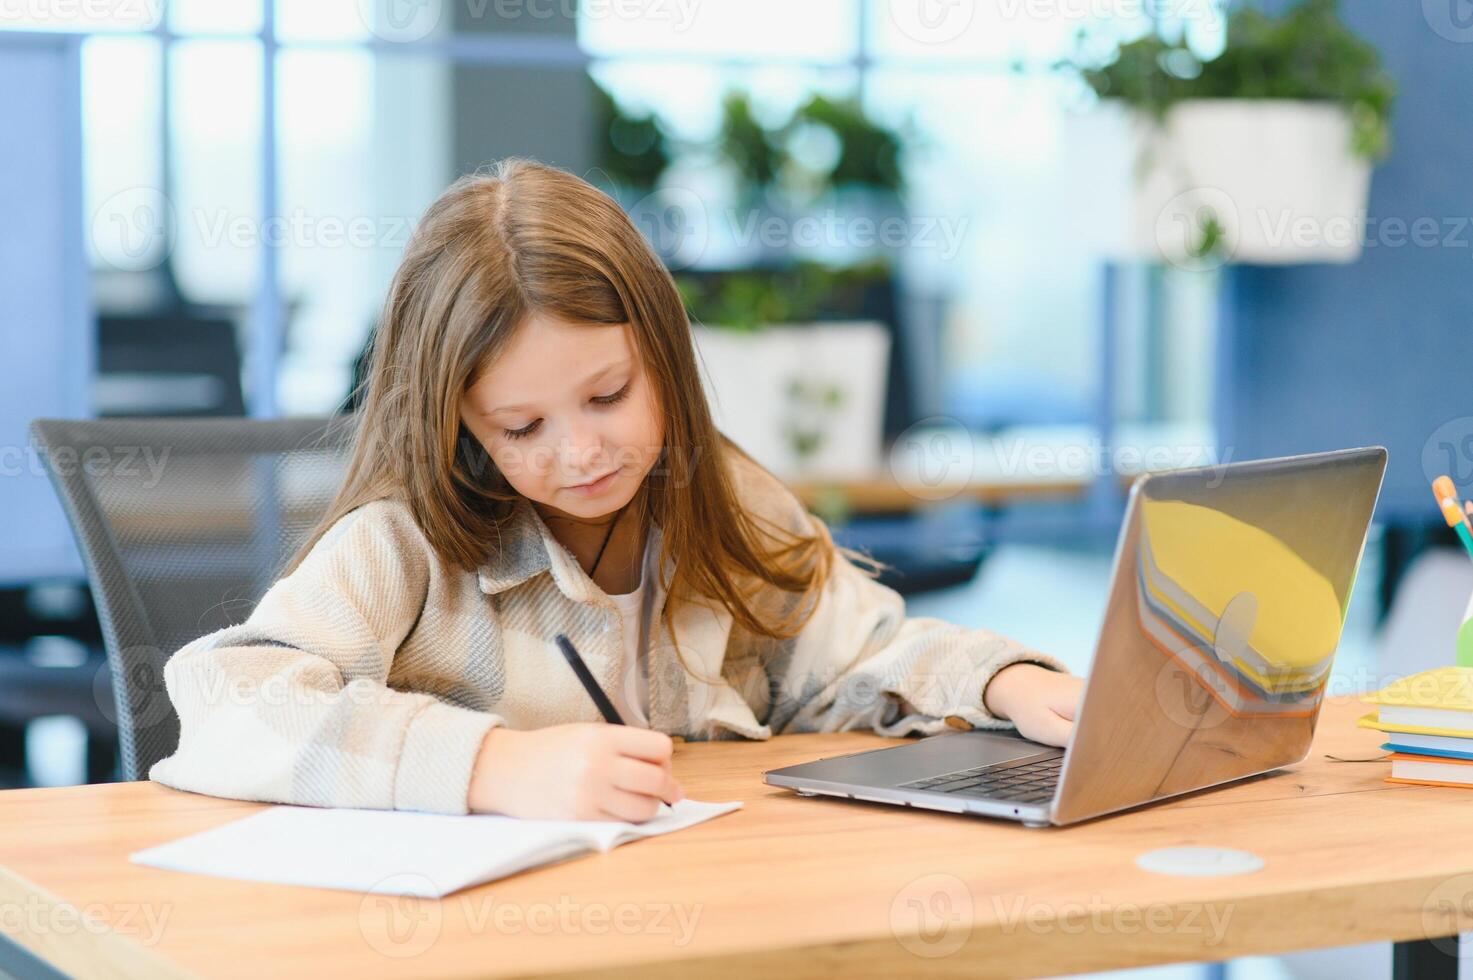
[[293, 705]]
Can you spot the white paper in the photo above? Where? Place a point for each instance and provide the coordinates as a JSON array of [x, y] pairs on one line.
[[401, 852]]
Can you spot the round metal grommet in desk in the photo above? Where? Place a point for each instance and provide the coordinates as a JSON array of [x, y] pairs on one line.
[[1199, 862]]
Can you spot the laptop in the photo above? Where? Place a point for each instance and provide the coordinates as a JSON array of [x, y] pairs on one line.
[[1227, 597]]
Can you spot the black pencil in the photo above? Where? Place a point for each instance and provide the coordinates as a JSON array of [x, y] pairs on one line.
[[570, 653]]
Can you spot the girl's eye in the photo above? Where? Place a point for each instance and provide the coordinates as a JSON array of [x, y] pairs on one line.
[[527, 430], [523, 432], [616, 397]]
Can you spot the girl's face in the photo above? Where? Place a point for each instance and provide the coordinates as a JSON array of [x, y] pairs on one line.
[[569, 416]]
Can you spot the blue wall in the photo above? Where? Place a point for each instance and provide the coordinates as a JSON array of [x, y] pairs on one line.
[[1380, 351], [45, 320]]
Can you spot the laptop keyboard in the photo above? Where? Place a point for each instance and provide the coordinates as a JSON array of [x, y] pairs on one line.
[[1023, 782]]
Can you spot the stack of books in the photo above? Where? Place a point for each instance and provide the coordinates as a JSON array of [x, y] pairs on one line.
[[1428, 721]]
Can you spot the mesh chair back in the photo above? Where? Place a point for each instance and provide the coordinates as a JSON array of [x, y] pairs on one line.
[[183, 525]]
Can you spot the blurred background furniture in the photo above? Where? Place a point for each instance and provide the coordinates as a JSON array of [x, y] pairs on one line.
[[186, 544], [167, 362]]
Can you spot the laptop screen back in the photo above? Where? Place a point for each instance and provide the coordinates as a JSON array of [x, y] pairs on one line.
[[1229, 595]]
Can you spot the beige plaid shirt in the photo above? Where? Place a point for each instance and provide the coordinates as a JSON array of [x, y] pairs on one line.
[[370, 675]]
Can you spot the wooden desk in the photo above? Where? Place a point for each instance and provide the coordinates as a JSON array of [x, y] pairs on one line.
[[799, 887], [883, 494]]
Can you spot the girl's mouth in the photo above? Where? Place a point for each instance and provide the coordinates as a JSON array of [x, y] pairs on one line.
[[597, 486]]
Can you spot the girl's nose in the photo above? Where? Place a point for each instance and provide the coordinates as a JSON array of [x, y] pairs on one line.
[[584, 449]]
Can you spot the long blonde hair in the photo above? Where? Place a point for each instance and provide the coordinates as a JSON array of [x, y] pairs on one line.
[[516, 238]]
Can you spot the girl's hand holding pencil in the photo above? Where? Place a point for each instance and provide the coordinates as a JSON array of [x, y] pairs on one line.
[[583, 771]]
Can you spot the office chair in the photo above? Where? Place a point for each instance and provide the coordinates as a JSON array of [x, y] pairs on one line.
[[183, 524], [181, 363]]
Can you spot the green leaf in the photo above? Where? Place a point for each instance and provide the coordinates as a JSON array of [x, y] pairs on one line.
[[1306, 52]]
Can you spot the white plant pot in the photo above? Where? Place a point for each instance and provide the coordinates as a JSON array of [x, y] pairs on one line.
[[748, 375], [1280, 177]]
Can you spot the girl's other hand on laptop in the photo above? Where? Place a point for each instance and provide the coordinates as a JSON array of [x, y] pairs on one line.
[[1040, 702]]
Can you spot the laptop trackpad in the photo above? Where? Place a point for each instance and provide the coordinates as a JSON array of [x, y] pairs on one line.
[[926, 757]]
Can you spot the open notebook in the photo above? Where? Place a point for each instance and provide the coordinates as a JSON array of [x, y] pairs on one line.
[[401, 852]]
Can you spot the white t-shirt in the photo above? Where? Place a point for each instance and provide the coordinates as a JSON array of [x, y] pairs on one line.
[[631, 696]]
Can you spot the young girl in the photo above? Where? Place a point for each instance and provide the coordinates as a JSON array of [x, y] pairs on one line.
[[535, 456]]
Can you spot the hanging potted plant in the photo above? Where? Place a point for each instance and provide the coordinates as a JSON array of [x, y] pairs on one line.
[[1261, 154], [633, 153], [753, 157], [789, 378], [840, 161], [795, 365]]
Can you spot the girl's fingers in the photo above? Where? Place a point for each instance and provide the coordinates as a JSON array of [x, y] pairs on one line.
[[620, 804], [645, 778], [642, 743], [1050, 729], [1067, 701]]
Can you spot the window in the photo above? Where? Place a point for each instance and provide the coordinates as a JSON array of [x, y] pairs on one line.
[[293, 213]]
